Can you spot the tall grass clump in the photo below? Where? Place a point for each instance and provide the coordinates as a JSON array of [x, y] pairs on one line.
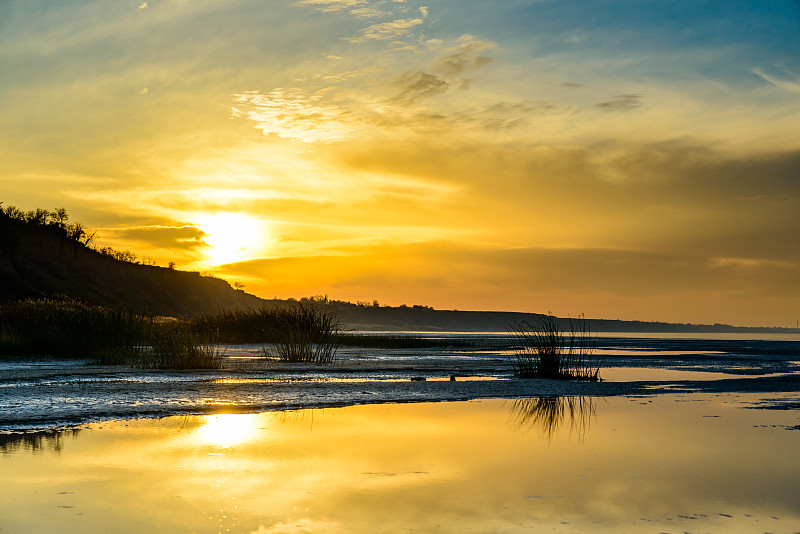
[[249, 325], [174, 345], [300, 332], [69, 328], [112, 336], [304, 333], [545, 350]]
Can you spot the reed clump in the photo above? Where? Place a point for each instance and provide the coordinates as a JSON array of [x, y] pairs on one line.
[[299, 332], [545, 350], [304, 333], [115, 336], [173, 345], [69, 328], [248, 325]]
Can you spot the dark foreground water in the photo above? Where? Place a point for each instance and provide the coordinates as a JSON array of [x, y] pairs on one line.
[[667, 463]]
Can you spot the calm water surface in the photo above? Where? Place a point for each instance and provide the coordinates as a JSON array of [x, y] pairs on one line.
[[693, 463]]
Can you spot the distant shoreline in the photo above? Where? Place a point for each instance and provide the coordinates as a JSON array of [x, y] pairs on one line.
[[425, 319]]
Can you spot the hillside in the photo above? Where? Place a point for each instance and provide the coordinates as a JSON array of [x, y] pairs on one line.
[[42, 261]]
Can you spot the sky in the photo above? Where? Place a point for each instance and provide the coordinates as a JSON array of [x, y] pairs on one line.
[[621, 159]]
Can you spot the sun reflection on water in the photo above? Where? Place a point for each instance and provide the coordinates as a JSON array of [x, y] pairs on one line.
[[225, 430]]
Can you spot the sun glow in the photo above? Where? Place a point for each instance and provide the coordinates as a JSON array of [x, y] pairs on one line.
[[232, 237], [224, 430]]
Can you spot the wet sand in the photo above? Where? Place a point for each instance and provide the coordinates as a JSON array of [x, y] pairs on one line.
[[49, 394]]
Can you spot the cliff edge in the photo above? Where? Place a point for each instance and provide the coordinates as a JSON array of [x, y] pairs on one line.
[[43, 262]]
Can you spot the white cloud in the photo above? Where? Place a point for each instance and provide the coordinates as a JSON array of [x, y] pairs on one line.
[[290, 114], [333, 6], [387, 30], [326, 116], [359, 8], [434, 44], [794, 87]]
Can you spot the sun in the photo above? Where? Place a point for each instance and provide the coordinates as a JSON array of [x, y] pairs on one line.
[[231, 237]]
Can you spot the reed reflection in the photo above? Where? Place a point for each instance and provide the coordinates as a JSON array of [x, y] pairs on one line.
[[548, 414], [305, 415], [52, 440]]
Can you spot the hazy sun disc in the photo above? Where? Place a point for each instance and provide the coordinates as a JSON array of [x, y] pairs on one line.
[[231, 237]]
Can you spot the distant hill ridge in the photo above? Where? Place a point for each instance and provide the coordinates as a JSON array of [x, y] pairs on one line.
[[422, 318]]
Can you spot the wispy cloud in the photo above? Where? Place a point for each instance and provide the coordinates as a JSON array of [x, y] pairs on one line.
[[794, 87], [624, 102], [359, 8], [342, 111], [334, 6], [294, 114], [459, 61], [417, 86], [465, 57], [291, 114], [386, 30], [503, 116]]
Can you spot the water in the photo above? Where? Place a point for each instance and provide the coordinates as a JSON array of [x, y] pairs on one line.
[[683, 435], [668, 463]]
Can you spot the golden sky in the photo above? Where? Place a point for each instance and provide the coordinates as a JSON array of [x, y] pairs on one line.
[[633, 160]]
